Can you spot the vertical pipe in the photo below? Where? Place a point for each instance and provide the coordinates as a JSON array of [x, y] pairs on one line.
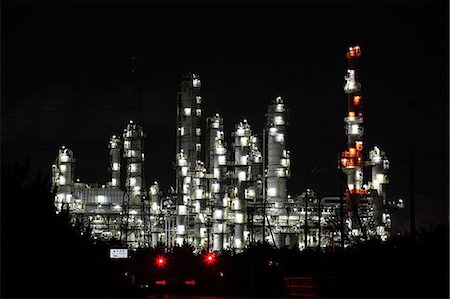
[[264, 186]]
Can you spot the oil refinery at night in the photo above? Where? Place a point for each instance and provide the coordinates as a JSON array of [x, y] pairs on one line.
[[262, 149], [231, 195]]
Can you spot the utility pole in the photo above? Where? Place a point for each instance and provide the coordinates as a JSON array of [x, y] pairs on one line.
[[411, 173], [411, 191], [411, 106]]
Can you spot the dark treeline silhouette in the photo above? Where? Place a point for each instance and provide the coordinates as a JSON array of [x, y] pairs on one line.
[[43, 255], [399, 268]]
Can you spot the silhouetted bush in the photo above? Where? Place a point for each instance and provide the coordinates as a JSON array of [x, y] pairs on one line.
[[43, 254]]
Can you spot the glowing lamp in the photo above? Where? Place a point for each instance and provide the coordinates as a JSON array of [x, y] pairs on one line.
[[160, 261], [210, 258], [352, 151]]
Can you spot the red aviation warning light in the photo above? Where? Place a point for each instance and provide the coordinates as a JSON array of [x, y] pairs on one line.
[[160, 261], [210, 258]]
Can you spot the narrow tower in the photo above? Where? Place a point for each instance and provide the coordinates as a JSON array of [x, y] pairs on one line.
[[188, 148], [133, 145], [156, 223], [63, 178], [381, 211], [242, 170], [217, 168], [135, 232], [352, 159], [278, 157], [114, 166]]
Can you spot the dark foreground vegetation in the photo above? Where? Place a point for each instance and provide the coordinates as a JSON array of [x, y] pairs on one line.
[[43, 255]]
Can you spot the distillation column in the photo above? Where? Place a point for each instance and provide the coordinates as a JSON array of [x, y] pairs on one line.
[[380, 167], [278, 160], [217, 168], [63, 173], [133, 144], [253, 193], [199, 199], [114, 164], [352, 160], [156, 228], [133, 153], [183, 195], [188, 152], [256, 166], [242, 162]]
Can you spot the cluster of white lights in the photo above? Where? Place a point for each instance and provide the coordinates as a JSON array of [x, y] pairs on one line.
[[279, 120], [196, 82], [279, 137]]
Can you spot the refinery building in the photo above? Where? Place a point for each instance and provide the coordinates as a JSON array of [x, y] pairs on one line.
[[227, 196]]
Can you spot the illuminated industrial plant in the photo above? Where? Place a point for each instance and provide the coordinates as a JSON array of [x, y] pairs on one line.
[[228, 196]]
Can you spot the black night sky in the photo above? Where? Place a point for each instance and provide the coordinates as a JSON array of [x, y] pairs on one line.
[[66, 80]]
